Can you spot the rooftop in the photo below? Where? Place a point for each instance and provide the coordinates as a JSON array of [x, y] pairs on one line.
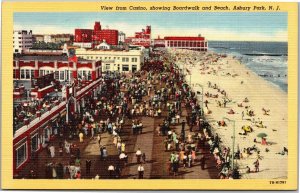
[[45, 58]]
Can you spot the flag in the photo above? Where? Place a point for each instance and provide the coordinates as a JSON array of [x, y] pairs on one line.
[[73, 59]]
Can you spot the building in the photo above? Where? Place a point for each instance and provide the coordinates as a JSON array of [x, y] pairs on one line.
[[103, 46], [121, 37], [54, 38], [36, 38], [83, 35], [142, 38], [62, 38], [114, 60], [158, 42], [35, 135], [88, 38], [191, 43], [28, 67], [22, 41]]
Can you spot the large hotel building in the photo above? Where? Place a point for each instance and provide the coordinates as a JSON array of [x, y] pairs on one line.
[[191, 43], [88, 38]]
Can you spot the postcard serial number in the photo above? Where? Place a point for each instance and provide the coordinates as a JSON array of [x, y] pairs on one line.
[[278, 182]]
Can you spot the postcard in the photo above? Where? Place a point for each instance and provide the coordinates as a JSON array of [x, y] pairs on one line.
[[149, 95]]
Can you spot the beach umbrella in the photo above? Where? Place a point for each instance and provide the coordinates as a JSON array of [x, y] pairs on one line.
[[262, 135], [247, 128]]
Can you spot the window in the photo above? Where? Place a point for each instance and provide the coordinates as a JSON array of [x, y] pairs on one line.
[[35, 143], [61, 75], [133, 59], [123, 59], [32, 73], [27, 74], [134, 68], [79, 74], [21, 154], [84, 74], [127, 59], [67, 75], [125, 67], [56, 75], [15, 74], [89, 77], [107, 67], [22, 74]]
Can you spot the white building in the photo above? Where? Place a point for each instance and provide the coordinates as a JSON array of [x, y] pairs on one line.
[[83, 44], [22, 41], [47, 38], [114, 60], [121, 37], [103, 46]]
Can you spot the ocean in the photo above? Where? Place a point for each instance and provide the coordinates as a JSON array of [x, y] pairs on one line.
[[267, 59]]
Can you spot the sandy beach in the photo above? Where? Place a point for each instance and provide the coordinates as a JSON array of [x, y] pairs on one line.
[[227, 74]]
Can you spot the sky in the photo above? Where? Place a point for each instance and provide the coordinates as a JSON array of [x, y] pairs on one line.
[[213, 26]]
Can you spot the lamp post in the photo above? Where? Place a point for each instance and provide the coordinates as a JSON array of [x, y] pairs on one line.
[[233, 141], [202, 102]]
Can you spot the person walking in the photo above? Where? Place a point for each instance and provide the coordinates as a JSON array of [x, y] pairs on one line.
[[111, 170], [99, 138], [190, 160], [138, 155], [256, 165], [123, 145], [184, 160], [202, 162], [88, 164], [52, 150], [81, 137], [104, 153], [141, 171], [183, 125]]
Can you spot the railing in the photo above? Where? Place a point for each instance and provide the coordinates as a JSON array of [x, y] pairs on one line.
[[45, 112], [34, 120]]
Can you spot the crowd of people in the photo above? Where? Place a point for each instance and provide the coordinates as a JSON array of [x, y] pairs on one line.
[[155, 91]]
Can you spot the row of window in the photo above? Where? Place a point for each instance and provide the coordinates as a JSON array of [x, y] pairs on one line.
[[59, 75], [21, 151], [124, 59], [186, 44], [125, 67], [23, 46]]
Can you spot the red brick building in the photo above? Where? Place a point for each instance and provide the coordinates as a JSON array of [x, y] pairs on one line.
[[96, 35], [142, 38]]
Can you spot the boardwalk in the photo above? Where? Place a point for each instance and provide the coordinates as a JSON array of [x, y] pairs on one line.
[[149, 143]]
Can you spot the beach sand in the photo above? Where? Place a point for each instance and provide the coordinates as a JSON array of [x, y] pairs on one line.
[[240, 82]]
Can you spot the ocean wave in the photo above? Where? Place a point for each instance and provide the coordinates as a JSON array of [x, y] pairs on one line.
[[264, 54]]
